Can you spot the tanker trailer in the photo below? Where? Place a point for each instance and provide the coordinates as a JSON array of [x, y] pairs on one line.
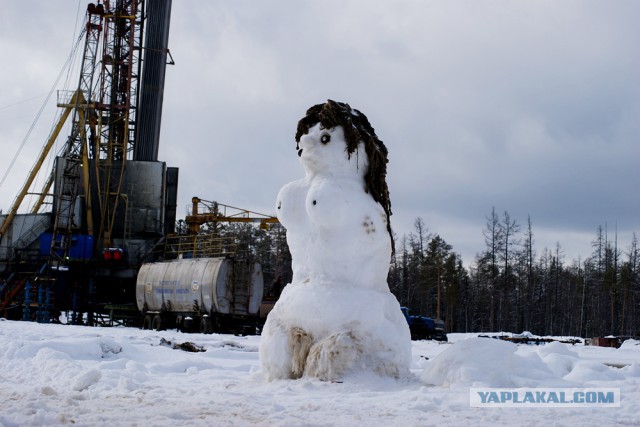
[[205, 294]]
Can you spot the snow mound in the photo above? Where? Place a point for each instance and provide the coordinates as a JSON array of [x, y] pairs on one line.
[[586, 371], [86, 380], [525, 334], [485, 362], [558, 358], [556, 348], [630, 344], [84, 348]]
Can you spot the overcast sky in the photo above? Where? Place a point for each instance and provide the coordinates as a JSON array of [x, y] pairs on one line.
[[531, 107]]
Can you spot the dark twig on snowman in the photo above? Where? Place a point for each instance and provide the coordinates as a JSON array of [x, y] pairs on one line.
[[337, 316]]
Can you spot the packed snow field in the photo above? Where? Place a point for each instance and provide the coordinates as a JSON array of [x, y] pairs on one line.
[[59, 374]]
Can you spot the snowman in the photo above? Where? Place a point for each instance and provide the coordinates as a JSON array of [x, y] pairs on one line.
[[337, 316]]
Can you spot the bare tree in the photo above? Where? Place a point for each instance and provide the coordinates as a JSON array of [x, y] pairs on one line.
[[508, 233], [493, 241]]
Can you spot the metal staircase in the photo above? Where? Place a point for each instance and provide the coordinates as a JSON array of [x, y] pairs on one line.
[[11, 295], [241, 286], [32, 234]]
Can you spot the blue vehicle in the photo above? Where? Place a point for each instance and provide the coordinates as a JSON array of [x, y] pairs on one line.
[[424, 328]]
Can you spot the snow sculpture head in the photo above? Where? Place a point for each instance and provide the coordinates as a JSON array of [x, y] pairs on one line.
[[352, 127], [337, 315]]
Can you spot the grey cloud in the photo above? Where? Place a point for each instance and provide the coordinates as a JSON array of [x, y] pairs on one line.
[[530, 107]]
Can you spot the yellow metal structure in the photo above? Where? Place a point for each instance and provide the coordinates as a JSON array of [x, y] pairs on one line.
[[45, 190], [199, 246], [204, 211], [77, 101]]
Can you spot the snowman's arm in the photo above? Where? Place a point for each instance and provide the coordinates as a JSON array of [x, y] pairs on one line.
[[290, 205]]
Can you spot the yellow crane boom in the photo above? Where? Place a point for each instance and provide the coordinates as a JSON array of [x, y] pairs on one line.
[[204, 211], [77, 101]]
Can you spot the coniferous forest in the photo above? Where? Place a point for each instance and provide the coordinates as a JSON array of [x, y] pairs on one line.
[[510, 286]]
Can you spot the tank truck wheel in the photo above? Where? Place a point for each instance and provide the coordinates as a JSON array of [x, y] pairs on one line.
[[217, 325], [146, 322], [206, 325], [156, 323]]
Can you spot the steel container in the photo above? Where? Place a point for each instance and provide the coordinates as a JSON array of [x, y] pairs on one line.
[[200, 285]]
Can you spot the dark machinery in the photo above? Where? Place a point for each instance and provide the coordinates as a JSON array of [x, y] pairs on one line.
[[112, 200], [422, 327]]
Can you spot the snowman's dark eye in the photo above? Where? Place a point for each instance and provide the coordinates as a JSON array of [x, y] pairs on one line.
[[325, 138]]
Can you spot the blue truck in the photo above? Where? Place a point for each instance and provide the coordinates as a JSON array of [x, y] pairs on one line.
[[424, 328]]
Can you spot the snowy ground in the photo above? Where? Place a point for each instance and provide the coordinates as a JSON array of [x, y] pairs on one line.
[[61, 375]]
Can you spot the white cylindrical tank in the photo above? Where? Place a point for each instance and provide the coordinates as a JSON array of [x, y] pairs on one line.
[[206, 285]]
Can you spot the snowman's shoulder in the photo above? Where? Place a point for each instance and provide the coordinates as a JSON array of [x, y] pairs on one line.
[[293, 191]]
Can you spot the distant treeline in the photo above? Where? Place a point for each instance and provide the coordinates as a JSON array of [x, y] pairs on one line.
[[508, 287]]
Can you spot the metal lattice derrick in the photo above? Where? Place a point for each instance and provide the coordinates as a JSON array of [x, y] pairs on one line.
[[116, 107], [93, 30], [74, 158], [119, 78]]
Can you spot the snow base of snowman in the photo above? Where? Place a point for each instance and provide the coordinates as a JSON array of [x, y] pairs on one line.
[[343, 330], [337, 316]]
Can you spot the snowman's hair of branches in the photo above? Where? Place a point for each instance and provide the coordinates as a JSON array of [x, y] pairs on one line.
[[356, 129]]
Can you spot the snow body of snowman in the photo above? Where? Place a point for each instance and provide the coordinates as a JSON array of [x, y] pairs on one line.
[[337, 316]]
